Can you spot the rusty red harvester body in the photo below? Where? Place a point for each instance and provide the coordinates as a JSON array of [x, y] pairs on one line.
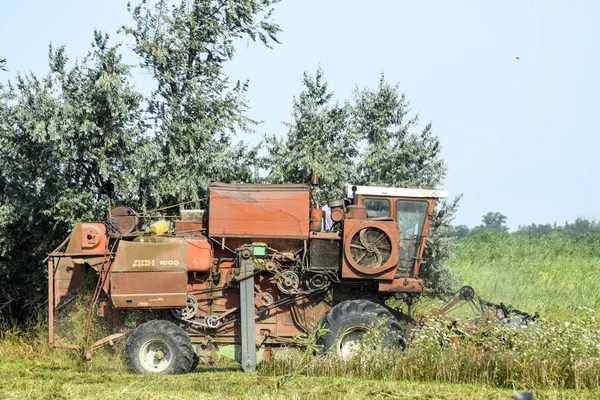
[[246, 275]]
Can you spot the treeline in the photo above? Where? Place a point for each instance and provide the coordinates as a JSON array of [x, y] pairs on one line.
[[84, 137], [496, 222]]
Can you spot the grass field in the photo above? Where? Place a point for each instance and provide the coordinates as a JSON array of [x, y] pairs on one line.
[[553, 275], [559, 277]]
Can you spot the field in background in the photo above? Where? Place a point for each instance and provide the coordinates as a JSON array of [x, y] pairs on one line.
[[556, 276], [553, 275]]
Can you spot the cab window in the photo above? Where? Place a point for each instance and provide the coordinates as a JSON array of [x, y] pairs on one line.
[[410, 216], [377, 207]]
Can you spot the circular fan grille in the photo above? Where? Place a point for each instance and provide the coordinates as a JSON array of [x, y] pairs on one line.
[[370, 247]]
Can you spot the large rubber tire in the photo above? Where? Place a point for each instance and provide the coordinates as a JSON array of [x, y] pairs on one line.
[[159, 347], [347, 322]]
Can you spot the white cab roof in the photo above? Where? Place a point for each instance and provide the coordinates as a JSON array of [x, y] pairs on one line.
[[396, 192]]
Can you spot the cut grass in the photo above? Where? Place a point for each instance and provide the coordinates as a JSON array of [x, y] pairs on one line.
[[58, 375]]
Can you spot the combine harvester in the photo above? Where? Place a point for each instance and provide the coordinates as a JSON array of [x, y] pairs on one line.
[[247, 275]]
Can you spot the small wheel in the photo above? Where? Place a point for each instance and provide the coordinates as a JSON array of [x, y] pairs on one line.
[[189, 311], [159, 348], [347, 323]]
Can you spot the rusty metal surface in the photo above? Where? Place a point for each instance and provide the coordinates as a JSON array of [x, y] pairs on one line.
[[316, 219], [124, 219], [151, 257], [51, 301], [88, 237], [150, 289], [370, 249], [356, 212], [415, 263], [259, 211], [200, 255], [188, 227], [410, 285], [482, 312], [249, 187]]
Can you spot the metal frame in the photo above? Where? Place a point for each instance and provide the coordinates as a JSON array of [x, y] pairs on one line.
[[395, 192]]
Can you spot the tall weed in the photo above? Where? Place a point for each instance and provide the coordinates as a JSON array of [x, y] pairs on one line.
[[550, 274], [549, 354]]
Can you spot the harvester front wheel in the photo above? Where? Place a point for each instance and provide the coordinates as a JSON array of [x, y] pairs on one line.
[[353, 323], [159, 348]]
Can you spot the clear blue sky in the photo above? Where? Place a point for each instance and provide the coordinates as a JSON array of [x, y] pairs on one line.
[[519, 136]]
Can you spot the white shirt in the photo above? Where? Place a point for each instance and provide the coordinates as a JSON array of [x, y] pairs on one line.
[[327, 222]]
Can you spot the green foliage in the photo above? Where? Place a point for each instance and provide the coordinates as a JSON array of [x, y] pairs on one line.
[[441, 241], [41, 373], [491, 222], [318, 141], [195, 108], [394, 155], [495, 221], [461, 231], [551, 274], [69, 143], [581, 226]]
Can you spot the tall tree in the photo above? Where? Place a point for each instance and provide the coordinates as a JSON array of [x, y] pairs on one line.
[[194, 105], [317, 141], [495, 221], [394, 156], [69, 144]]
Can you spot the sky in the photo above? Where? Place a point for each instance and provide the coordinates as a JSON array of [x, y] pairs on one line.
[[511, 86]]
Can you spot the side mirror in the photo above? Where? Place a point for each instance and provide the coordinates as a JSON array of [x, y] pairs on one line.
[[440, 215]]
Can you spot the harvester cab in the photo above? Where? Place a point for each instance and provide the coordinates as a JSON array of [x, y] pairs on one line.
[[411, 209], [246, 275]]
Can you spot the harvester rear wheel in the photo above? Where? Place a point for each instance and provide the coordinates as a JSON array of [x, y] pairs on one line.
[[349, 323], [159, 347]]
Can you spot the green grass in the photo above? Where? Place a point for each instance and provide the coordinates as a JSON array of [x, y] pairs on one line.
[[556, 276], [58, 374], [553, 275]]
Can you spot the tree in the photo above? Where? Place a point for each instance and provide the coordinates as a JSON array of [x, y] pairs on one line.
[[69, 145], [492, 221], [317, 141], [394, 156], [536, 229], [195, 108], [495, 221], [461, 231]]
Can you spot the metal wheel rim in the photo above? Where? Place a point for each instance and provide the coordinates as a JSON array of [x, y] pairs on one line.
[[350, 343], [155, 356]]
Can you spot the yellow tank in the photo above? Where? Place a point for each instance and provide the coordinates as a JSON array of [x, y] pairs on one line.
[[159, 227]]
